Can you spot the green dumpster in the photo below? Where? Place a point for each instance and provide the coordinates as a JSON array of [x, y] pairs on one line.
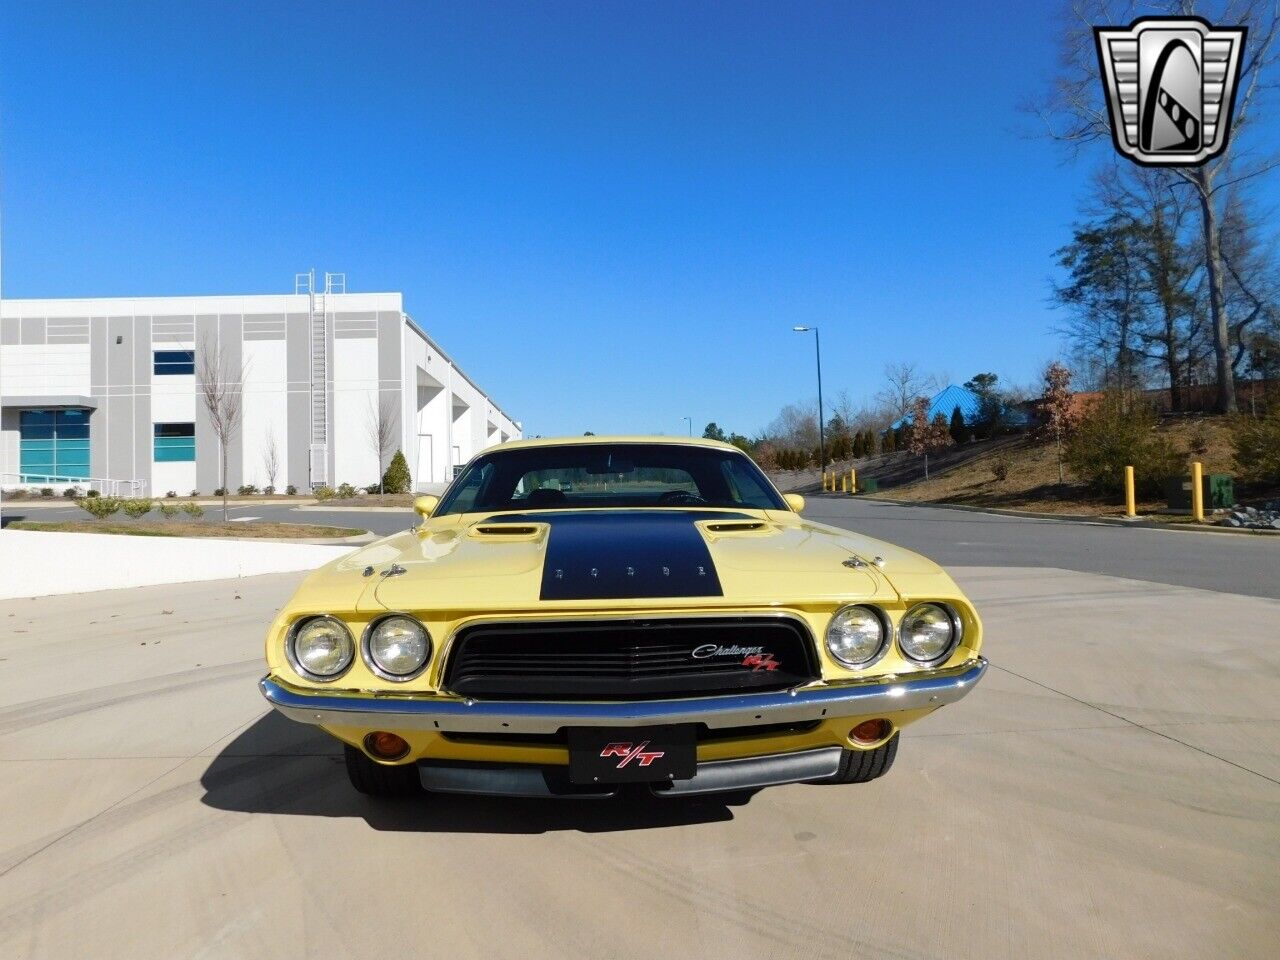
[[868, 485], [1218, 489]]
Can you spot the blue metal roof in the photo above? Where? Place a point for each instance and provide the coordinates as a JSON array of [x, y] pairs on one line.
[[970, 405], [946, 401]]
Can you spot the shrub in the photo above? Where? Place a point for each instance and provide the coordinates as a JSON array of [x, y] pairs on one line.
[[346, 491], [92, 493], [246, 490], [195, 493], [99, 507], [1000, 468], [269, 490], [138, 507], [291, 490], [46, 491], [397, 479], [71, 493], [1114, 434], [219, 491], [372, 488], [1257, 445], [170, 510], [324, 492], [193, 509], [172, 494]]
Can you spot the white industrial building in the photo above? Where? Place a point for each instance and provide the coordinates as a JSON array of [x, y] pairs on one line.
[[103, 393]]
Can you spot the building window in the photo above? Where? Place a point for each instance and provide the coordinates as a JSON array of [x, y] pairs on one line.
[[175, 442], [53, 445], [169, 363]]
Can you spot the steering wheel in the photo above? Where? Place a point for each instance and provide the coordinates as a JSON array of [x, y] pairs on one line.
[[682, 497]]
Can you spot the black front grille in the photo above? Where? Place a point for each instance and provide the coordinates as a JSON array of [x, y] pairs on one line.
[[630, 659]]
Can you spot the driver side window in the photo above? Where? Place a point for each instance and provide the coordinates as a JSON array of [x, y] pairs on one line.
[[473, 484]]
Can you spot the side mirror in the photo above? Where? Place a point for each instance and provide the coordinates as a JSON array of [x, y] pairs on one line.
[[794, 501], [423, 505]]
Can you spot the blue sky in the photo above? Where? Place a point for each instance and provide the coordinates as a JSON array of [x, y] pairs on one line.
[[611, 214]]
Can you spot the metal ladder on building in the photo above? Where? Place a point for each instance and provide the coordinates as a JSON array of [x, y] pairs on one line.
[[318, 331]]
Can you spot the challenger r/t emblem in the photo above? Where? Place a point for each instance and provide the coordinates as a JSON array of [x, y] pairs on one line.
[[1170, 84]]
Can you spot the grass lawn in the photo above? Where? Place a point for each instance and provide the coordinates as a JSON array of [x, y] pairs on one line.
[[187, 528], [1031, 480]]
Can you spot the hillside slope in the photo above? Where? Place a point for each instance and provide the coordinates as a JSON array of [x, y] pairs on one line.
[[1031, 475]]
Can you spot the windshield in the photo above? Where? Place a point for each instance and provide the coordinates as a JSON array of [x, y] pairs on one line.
[[577, 476]]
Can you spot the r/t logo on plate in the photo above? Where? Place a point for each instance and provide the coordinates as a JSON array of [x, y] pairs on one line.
[[1170, 85]]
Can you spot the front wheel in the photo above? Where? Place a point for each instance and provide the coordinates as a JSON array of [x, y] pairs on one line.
[[859, 766], [377, 780]]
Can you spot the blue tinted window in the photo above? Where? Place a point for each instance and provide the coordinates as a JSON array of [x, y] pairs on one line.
[[175, 442], [174, 362], [53, 445]]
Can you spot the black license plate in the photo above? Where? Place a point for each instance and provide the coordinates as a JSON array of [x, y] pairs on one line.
[[632, 754]]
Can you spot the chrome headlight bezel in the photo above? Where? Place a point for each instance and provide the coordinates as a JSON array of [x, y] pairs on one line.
[[291, 652], [366, 648], [886, 636], [957, 633]]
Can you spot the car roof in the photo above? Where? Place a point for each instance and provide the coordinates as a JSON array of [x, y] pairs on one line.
[[576, 441]]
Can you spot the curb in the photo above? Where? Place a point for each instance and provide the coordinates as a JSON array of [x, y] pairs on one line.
[[322, 509], [1138, 522]]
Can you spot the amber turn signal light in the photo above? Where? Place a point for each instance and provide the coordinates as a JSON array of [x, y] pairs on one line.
[[386, 746], [871, 731]]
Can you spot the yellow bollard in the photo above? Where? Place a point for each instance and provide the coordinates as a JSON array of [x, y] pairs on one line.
[[853, 481], [1130, 506], [844, 484], [1197, 491]]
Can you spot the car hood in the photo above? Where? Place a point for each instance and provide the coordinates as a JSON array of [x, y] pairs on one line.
[[622, 559]]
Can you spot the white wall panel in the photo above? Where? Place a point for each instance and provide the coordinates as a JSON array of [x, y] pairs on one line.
[[355, 391], [173, 399], [266, 411], [30, 369], [178, 477]]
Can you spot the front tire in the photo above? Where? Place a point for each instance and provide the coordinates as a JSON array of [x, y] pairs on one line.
[[377, 780], [860, 766]]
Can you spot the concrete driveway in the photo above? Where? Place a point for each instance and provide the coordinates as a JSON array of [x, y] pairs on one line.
[[1111, 789]]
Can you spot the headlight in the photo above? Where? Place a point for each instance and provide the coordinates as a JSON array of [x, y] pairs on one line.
[[320, 648], [856, 635], [397, 648], [928, 633]]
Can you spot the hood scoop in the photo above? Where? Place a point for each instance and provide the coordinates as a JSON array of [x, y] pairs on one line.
[[505, 531], [735, 526]]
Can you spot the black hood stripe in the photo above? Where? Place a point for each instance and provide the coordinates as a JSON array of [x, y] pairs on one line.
[[625, 554]]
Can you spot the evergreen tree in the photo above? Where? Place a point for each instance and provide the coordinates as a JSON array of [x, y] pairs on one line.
[[713, 432], [397, 479], [959, 432]]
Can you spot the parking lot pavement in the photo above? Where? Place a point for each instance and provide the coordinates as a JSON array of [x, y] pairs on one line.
[[1112, 789]]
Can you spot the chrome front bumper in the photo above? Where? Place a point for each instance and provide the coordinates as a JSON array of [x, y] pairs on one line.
[[714, 776], [932, 688]]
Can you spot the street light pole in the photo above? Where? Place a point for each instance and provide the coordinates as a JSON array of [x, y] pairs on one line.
[[690, 422], [822, 439]]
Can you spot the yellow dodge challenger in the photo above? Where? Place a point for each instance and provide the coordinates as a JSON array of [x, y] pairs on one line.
[[575, 615]]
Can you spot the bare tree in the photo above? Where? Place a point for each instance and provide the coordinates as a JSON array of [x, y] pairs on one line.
[[903, 384], [221, 390], [1075, 113], [271, 457], [380, 426]]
